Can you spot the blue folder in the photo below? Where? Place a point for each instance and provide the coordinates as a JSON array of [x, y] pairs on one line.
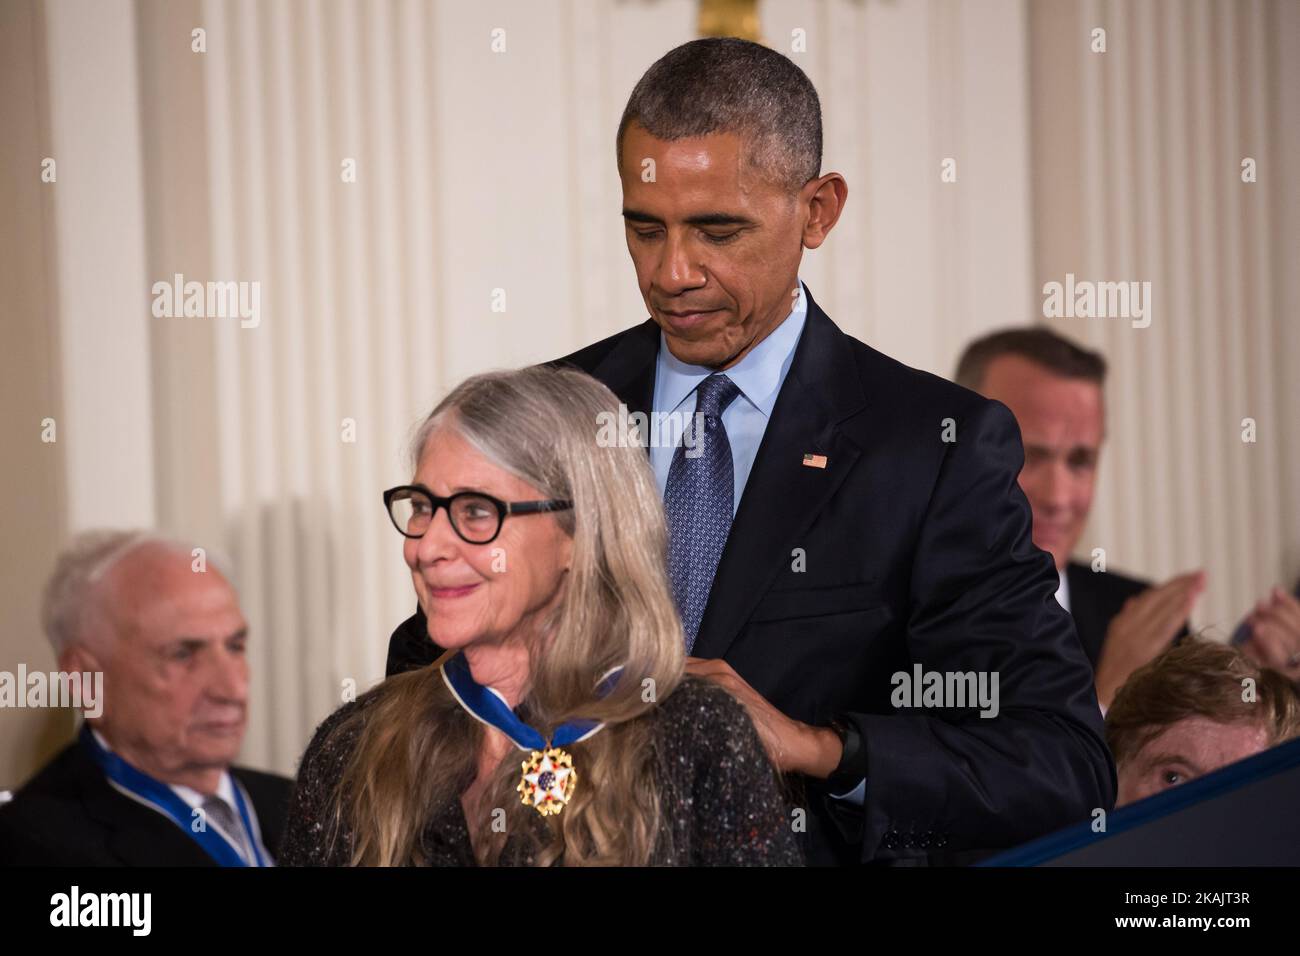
[[1245, 814]]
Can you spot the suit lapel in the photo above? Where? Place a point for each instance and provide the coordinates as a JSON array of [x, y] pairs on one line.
[[137, 835], [629, 369], [783, 496]]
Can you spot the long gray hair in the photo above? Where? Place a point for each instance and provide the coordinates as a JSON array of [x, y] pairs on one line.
[[540, 424]]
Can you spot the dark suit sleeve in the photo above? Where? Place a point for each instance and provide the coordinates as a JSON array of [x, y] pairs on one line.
[[982, 599], [410, 648], [21, 843]]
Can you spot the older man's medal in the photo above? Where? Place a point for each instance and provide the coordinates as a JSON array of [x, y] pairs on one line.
[[548, 777]]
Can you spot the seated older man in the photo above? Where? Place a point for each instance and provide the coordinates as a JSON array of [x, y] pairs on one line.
[[1197, 707], [150, 781]]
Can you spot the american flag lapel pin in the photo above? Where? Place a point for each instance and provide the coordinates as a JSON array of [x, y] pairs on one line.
[[814, 461]]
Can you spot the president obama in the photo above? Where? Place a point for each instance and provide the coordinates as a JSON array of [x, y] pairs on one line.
[[851, 519]]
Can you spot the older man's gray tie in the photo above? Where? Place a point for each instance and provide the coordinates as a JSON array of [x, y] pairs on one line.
[[699, 501], [219, 812]]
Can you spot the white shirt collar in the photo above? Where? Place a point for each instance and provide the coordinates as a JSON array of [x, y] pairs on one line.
[[1063, 590]]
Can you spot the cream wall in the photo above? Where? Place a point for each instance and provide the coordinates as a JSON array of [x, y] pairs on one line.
[[480, 171], [32, 478], [1137, 175]]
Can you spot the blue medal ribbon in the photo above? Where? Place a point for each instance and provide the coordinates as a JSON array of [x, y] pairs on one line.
[[489, 707], [165, 800]]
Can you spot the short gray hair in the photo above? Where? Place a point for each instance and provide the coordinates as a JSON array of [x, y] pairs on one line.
[[90, 555], [728, 85]]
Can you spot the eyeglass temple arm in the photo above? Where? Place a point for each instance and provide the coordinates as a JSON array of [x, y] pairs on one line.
[[531, 507]]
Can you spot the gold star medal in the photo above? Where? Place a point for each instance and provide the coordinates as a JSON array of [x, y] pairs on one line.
[[548, 780], [548, 776]]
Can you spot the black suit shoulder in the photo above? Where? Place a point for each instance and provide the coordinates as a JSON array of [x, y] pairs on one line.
[[53, 795], [410, 647], [68, 815], [590, 356], [888, 378], [912, 404]]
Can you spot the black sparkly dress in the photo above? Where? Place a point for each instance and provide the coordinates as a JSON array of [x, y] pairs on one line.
[[722, 800]]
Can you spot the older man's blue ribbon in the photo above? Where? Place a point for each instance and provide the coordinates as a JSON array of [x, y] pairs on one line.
[[159, 796]]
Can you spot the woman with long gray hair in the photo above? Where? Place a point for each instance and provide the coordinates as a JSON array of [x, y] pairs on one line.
[[557, 728]]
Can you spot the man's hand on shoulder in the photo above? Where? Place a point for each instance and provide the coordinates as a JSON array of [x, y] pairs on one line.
[[791, 745]]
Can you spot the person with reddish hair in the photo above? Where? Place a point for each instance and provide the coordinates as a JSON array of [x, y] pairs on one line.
[[1197, 707]]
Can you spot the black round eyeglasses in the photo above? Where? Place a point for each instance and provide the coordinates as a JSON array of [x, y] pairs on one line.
[[475, 517]]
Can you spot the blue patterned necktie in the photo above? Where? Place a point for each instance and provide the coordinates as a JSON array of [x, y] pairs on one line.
[[699, 501]]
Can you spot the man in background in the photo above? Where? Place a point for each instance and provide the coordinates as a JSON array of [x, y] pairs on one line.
[[1055, 390], [150, 781]]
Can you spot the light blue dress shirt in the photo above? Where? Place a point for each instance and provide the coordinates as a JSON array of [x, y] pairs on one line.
[[759, 376]]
